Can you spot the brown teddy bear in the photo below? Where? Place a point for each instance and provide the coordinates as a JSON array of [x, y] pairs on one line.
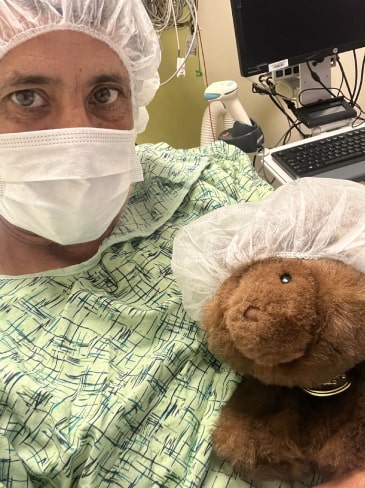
[[279, 287], [296, 329]]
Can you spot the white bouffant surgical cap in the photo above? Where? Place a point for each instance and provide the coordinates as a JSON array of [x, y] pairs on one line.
[[123, 25], [308, 218]]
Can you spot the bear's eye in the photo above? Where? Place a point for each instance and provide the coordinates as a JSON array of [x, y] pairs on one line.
[[285, 278]]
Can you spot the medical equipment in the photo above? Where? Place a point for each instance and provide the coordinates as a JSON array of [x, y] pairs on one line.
[[227, 93], [239, 129]]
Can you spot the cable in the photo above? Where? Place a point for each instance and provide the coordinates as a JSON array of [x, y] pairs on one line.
[[357, 94], [276, 98], [164, 12], [190, 4], [203, 72], [344, 77], [317, 78]]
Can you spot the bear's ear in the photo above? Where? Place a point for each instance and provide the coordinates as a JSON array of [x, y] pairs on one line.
[[345, 326], [341, 299], [213, 313], [341, 294], [213, 321]]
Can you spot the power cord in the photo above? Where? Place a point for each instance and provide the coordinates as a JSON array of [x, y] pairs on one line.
[[276, 98], [194, 29], [344, 77], [361, 80], [166, 14], [177, 14]]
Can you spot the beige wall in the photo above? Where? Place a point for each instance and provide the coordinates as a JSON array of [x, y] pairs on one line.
[[177, 110]]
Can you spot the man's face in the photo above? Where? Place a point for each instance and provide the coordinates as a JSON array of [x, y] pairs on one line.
[[63, 79]]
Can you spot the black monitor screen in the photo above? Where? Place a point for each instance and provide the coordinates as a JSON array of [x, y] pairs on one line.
[[274, 34]]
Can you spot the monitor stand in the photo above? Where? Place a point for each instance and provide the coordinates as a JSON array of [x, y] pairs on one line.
[[297, 82], [307, 91], [310, 90]]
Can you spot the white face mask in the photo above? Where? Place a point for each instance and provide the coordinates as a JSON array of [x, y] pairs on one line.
[[66, 185]]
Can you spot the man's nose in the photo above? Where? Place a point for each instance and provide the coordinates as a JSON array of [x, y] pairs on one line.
[[76, 116]]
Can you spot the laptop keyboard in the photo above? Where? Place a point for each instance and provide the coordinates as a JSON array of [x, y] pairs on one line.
[[312, 158]]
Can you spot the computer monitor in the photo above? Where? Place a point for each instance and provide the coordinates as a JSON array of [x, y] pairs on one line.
[[282, 36]]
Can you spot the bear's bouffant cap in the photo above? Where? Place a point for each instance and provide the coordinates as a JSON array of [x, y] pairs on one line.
[[308, 218]]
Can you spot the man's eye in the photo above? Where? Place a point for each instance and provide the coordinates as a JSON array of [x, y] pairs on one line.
[[27, 98], [106, 95]]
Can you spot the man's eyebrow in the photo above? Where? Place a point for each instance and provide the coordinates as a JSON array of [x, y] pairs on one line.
[[123, 81], [29, 79], [18, 79], [110, 77]]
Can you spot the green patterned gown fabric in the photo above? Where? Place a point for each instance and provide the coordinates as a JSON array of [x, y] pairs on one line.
[[104, 381]]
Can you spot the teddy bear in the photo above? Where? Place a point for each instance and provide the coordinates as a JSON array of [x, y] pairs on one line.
[[295, 329], [278, 287]]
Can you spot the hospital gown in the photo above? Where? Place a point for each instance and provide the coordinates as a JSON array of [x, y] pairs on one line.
[[104, 381]]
